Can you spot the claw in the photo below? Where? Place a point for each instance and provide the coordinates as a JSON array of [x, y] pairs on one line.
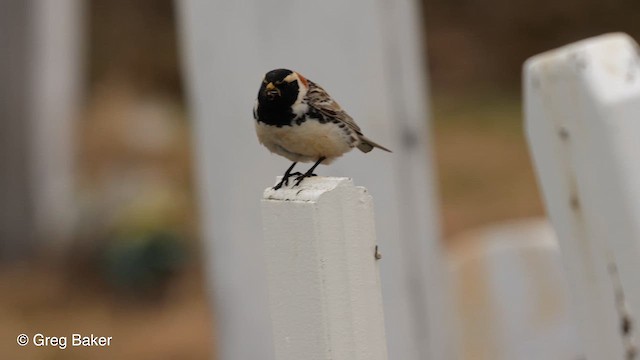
[[309, 172], [286, 176], [286, 180], [302, 177]]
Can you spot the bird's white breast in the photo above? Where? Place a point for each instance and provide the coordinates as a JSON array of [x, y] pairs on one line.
[[308, 141]]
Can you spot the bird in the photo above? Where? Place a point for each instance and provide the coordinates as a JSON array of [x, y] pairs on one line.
[[297, 119]]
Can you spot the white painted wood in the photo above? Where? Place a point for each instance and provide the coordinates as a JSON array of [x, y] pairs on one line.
[[324, 282], [56, 86], [367, 54], [510, 295], [40, 92], [16, 210], [582, 106]]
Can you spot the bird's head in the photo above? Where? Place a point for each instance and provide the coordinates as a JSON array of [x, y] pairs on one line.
[[281, 87]]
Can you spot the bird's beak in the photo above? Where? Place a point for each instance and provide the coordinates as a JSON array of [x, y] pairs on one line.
[[272, 91]]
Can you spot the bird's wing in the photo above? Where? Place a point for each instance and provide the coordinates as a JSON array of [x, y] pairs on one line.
[[323, 107], [320, 101]]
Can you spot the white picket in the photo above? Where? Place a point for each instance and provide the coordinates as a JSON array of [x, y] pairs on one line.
[[56, 84], [324, 284], [41, 67], [511, 297], [368, 56], [582, 108]]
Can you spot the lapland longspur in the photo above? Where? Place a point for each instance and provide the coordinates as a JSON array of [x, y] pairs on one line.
[[299, 120]]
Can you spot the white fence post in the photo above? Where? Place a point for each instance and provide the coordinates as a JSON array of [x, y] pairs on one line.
[[583, 123], [510, 295], [324, 286], [56, 81], [40, 93]]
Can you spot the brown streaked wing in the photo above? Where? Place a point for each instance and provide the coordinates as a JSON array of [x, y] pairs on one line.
[[319, 99]]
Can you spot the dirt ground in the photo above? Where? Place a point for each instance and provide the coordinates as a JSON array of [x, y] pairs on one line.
[[52, 301]]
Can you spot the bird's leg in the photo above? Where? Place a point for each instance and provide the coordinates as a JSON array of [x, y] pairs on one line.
[[309, 172], [286, 176], [288, 173]]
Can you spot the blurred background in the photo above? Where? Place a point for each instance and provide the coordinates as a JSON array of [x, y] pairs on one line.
[[120, 256]]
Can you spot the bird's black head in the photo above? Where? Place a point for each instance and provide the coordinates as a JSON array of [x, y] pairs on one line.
[[279, 88]]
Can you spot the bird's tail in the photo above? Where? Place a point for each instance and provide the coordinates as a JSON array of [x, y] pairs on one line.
[[367, 145]]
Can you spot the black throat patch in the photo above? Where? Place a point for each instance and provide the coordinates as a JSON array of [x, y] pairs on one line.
[[277, 111], [274, 115]]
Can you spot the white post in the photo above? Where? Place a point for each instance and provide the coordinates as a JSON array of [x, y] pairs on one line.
[[324, 286], [56, 82], [40, 92], [583, 123], [510, 294]]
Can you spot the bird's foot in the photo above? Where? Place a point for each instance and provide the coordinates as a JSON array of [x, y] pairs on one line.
[[309, 172], [302, 177], [285, 180]]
